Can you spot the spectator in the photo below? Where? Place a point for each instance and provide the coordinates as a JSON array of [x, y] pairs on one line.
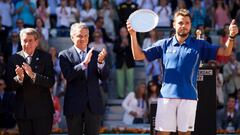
[[164, 12], [221, 14], [7, 102], [63, 12], [3, 36], [40, 27], [43, 35], [94, 3], [147, 4], [181, 5], [135, 105], [153, 69], [198, 14], [74, 16], [56, 66], [219, 86], [53, 17], [118, 2], [234, 6], [88, 14], [97, 43], [189, 3], [231, 75], [6, 12], [108, 13], [13, 45], [19, 25], [228, 117], [43, 12], [222, 40], [99, 28], [208, 4], [204, 33], [124, 63], [26, 10], [124, 9], [153, 89]]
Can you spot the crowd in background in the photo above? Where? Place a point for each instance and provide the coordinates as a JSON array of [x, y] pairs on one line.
[[106, 20]]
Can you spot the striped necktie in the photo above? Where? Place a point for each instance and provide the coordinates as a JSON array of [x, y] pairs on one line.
[[82, 55], [29, 59]]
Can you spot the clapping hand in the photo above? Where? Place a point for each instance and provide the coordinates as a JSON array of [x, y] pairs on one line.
[[19, 72], [102, 55], [88, 57], [27, 69]]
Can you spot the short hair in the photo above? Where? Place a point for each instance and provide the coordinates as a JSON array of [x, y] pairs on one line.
[[77, 27], [29, 31], [182, 12]]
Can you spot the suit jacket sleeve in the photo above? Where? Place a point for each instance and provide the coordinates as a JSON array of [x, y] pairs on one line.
[[104, 72], [69, 70], [10, 74]]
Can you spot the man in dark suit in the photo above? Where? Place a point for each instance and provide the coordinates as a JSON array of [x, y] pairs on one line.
[[82, 67], [13, 46], [30, 73]]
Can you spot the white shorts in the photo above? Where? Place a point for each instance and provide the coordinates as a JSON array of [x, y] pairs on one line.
[[175, 114]]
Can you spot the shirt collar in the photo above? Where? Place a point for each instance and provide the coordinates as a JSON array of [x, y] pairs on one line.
[[26, 55], [79, 50], [175, 41]]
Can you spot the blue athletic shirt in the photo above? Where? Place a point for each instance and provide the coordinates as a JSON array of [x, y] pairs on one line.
[[180, 65]]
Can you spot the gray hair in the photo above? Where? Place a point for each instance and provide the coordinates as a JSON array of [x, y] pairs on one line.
[[29, 31], [77, 27]]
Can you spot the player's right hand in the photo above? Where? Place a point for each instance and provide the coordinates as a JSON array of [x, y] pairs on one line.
[[130, 29]]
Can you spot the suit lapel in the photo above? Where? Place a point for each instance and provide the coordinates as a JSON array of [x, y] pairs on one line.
[[21, 54], [74, 55], [35, 59]]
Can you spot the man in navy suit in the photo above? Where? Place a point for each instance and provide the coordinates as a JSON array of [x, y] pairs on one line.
[[83, 67]]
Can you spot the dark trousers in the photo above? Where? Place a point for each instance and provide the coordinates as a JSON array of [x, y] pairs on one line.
[[87, 123], [35, 126]]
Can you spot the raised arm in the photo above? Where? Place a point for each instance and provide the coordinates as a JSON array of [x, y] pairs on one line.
[[136, 50], [233, 31]]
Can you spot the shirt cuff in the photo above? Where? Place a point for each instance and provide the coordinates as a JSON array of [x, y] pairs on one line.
[[83, 66], [100, 66], [17, 79], [34, 77]]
